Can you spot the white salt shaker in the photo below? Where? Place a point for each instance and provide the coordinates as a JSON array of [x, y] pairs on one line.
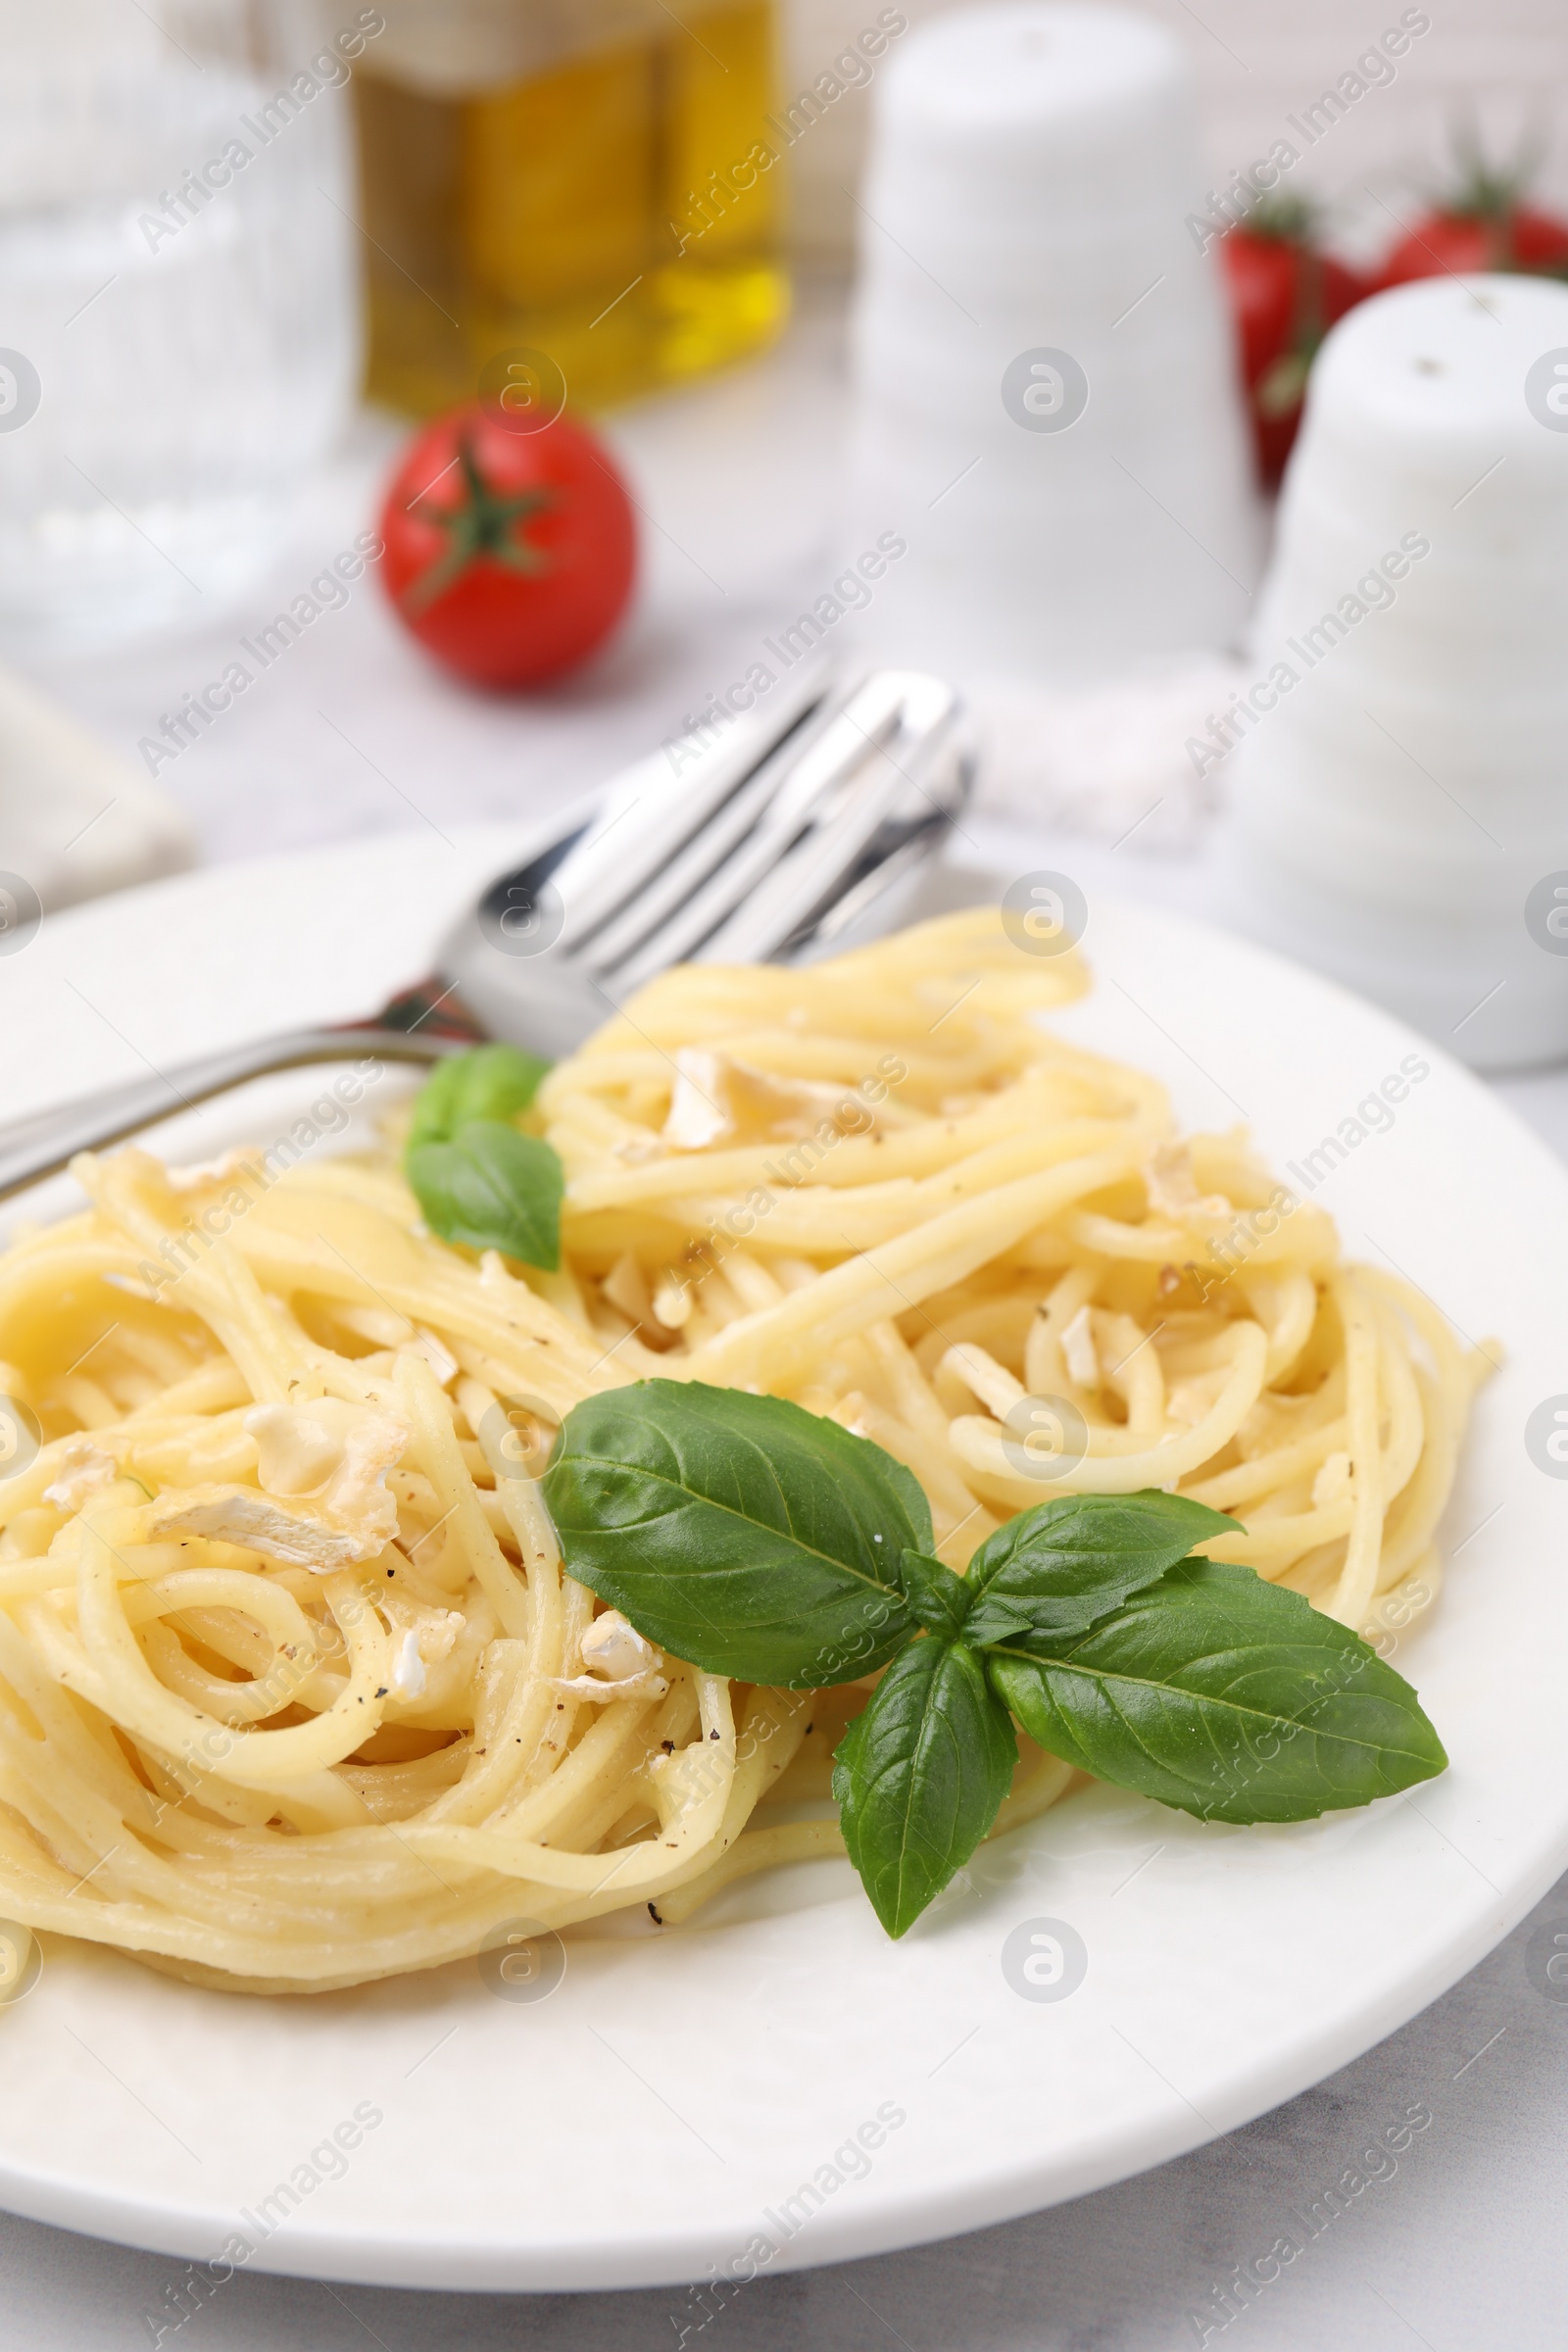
[[1400, 781], [1047, 400]]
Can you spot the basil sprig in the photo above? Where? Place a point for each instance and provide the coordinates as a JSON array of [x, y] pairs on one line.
[[478, 1178], [758, 1541], [1225, 1696], [741, 1533], [920, 1776], [493, 1082]]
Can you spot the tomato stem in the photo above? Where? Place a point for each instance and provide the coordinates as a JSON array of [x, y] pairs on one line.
[[483, 526]]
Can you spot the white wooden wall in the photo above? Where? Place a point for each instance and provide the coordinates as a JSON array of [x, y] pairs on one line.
[[1503, 63]]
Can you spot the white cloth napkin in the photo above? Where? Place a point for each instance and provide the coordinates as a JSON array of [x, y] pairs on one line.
[[1113, 762], [74, 818]]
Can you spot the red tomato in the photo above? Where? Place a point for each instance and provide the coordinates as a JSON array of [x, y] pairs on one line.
[[1496, 235], [1286, 295], [510, 555]]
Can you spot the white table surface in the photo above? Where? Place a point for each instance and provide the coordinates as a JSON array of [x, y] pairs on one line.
[[351, 733]]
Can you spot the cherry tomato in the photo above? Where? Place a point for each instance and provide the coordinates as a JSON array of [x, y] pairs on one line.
[[1483, 224], [510, 554], [1286, 294], [1459, 242]]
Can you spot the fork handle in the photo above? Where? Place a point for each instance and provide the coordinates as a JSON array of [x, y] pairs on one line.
[[39, 1147]]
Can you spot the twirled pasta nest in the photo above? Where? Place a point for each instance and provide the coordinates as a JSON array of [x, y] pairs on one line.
[[293, 1690]]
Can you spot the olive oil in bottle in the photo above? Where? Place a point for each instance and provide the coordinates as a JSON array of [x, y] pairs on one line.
[[590, 178]]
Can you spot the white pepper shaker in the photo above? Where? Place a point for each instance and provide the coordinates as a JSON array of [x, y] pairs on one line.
[[1047, 396], [1400, 781]]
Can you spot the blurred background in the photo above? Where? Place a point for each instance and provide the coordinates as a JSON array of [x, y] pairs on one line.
[[1504, 66], [740, 294]]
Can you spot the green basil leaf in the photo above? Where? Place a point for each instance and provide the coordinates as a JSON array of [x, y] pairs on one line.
[[921, 1775], [741, 1533], [491, 1189], [1053, 1571], [938, 1600], [493, 1082], [1227, 1697]]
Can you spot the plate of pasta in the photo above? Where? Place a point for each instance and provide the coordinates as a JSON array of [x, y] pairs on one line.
[[898, 1590]]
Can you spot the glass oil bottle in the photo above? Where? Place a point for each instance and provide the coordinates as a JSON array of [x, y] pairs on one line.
[[591, 180]]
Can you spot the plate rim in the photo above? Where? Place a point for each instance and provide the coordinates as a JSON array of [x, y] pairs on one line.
[[898, 2217]]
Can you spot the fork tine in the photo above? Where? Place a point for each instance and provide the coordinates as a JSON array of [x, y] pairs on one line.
[[701, 888], [831, 824], [780, 834], [660, 811], [734, 824]]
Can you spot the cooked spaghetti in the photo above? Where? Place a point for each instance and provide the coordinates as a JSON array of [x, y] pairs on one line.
[[293, 1690]]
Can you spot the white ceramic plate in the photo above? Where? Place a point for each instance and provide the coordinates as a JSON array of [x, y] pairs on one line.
[[698, 2098]]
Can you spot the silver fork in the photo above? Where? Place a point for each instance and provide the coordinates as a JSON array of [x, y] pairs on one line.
[[800, 830]]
